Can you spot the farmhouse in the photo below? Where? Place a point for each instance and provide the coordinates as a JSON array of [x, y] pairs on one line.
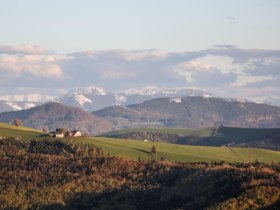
[[77, 133], [59, 135]]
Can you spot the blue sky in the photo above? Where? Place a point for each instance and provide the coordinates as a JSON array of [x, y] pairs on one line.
[[170, 25], [231, 48]]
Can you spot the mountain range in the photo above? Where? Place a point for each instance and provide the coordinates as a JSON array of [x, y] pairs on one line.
[[192, 112], [94, 98], [176, 112]]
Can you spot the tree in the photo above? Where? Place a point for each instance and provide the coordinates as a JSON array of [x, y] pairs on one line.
[[46, 130], [17, 122], [153, 150]]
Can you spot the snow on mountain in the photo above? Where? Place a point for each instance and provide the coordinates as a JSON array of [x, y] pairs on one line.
[[81, 99], [241, 100], [120, 99], [14, 106], [20, 102], [90, 98], [94, 98], [91, 90], [155, 91], [176, 100]]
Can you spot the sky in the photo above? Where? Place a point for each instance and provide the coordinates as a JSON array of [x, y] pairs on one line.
[[228, 47]]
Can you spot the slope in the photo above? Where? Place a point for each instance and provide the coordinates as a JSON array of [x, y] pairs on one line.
[[221, 136], [184, 153], [24, 133], [55, 115], [193, 112]]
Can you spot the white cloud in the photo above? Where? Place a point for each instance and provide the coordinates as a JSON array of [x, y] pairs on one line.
[[244, 80], [227, 70], [36, 65], [23, 49], [187, 69], [141, 55], [203, 74]]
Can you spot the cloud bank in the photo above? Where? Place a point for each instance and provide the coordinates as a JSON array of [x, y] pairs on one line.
[[224, 70]]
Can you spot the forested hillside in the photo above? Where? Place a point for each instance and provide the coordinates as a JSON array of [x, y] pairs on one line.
[[56, 115], [57, 175], [192, 112]]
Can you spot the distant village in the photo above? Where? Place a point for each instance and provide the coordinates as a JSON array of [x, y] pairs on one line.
[[61, 133]]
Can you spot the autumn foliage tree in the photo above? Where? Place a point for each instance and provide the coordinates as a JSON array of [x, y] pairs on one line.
[[17, 122], [48, 174], [153, 150]]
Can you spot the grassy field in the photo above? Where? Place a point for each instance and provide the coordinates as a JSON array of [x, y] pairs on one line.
[[24, 133], [135, 149], [223, 135], [184, 153]]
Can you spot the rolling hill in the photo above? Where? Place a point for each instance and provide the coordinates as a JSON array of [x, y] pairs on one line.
[[183, 153], [21, 132], [70, 175], [220, 136], [140, 149], [55, 115], [192, 112]]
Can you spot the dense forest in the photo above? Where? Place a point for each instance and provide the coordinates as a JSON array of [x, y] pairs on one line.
[[57, 175]]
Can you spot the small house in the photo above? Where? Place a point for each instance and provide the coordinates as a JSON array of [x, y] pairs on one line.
[[77, 133], [59, 135], [52, 134]]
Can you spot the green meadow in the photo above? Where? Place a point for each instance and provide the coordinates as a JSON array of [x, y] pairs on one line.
[[142, 149], [184, 153]]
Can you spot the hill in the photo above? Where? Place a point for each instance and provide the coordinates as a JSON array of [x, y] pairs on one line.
[[266, 138], [140, 149], [193, 112], [19, 132], [183, 153], [55, 115], [57, 175]]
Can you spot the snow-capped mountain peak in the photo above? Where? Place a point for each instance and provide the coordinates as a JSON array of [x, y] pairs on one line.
[[20, 102], [94, 98], [96, 90], [156, 91], [148, 90], [81, 99], [90, 90]]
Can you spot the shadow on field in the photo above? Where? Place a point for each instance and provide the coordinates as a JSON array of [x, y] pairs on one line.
[[144, 151]]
